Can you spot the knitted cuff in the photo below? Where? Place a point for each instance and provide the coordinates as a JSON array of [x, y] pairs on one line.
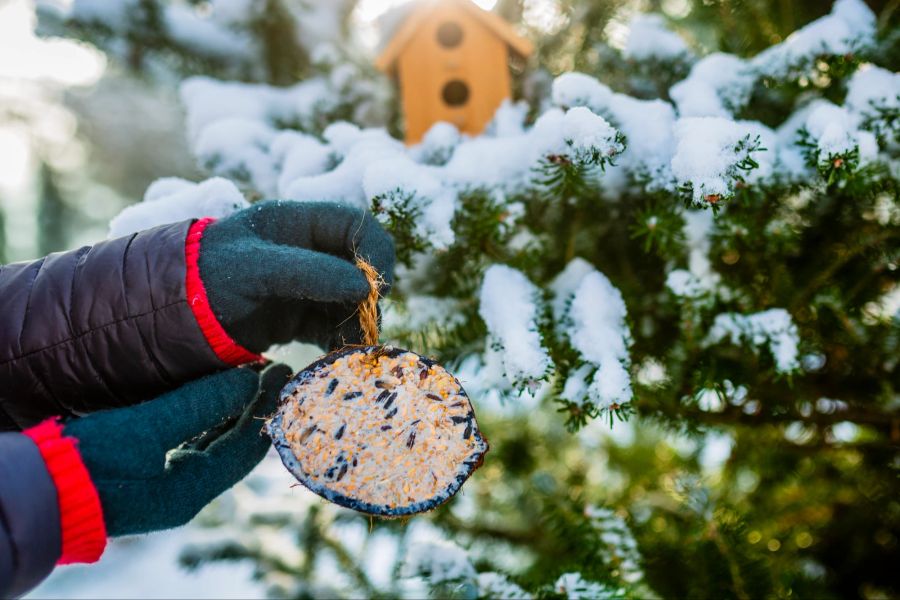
[[80, 513], [228, 350]]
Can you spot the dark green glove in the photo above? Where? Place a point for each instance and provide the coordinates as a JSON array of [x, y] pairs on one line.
[[155, 465], [281, 271]]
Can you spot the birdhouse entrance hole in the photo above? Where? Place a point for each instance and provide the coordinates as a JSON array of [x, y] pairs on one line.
[[455, 93], [450, 35]]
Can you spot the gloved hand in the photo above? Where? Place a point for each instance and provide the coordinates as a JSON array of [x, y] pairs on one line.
[[281, 271], [146, 479]]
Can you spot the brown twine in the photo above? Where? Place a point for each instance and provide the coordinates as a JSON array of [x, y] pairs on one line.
[[368, 308]]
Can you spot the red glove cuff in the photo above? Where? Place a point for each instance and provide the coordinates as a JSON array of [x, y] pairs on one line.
[[228, 350], [80, 513]]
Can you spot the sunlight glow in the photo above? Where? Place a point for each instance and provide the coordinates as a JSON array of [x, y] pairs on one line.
[[33, 72], [15, 156], [25, 56], [544, 15]]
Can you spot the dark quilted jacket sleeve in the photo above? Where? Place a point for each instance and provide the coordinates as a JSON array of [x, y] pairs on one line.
[[99, 327], [30, 542]]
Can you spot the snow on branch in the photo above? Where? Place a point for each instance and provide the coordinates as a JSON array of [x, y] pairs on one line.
[[646, 124], [439, 562], [715, 155], [591, 314], [588, 139], [510, 306], [247, 131], [578, 89], [621, 545], [442, 563], [401, 189], [113, 15], [377, 169], [573, 586], [873, 93], [712, 159], [719, 85], [215, 33], [235, 131], [214, 37], [437, 145], [650, 39], [497, 585], [699, 281], [238, 149], [774, 328], [172, 199], [831, 140], [849, 29], [354, 151]]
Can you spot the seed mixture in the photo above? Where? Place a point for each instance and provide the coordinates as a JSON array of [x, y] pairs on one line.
[[378, 429]]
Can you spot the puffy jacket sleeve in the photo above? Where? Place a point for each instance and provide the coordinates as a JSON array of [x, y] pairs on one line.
[[106, 326], [30, 537]]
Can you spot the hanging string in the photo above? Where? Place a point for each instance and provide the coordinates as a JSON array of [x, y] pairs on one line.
[[368, 308]]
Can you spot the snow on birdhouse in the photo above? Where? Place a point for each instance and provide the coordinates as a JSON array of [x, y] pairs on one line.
[[452, 61]]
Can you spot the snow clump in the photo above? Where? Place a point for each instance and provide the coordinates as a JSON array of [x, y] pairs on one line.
[[709, 155], [718, 86], [847, 29], [235, 130], [212, 36], [588, 134], [171, 199], [396, 183], [647, 124], [699, 279], [836, 133], [508, 303], [497, 585], [649, 38], [439, 562], [573, 586], [438, 144], [774, 328], [873, 93], [593, 317]]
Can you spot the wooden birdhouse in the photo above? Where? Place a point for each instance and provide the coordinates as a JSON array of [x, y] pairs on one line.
[[452, 60]]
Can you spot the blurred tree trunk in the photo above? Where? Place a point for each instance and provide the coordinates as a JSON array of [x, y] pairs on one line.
[[286, 60], [53, 214], [3, 258]]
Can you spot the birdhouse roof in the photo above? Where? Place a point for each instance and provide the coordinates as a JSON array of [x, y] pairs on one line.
[[420, 11]]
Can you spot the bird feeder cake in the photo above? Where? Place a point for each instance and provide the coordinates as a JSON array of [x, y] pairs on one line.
[[378, 429]]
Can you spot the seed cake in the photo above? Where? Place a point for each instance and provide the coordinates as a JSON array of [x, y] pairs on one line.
[[378, 429]]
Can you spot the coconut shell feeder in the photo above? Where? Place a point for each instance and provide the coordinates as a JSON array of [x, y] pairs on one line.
[[377, 429]]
